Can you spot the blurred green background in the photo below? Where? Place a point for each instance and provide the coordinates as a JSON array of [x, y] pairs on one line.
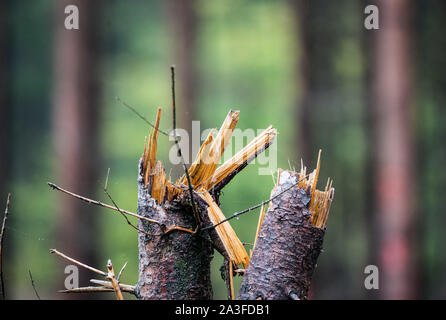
[[264, 58]]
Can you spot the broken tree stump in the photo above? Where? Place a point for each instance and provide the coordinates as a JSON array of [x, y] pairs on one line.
[[174, 255], [289, 241]]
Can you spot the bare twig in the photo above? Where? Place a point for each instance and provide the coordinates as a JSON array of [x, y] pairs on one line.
[[89, 289], [141, 116], [113, 283], [98, 203], [121, 212], [120, 272], [60, 254], [124, 287], [256, 206], [33, 284], [105, 286], [186, 171], [111, 277], [2, 236]]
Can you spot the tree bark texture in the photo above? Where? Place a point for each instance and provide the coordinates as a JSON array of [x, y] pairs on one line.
[[174, 266], [287, 248]]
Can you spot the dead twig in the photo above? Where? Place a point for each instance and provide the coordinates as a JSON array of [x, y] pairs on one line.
[[124, 287], [33, 284], [256, 206], [141, 116], [105, 286], [111, 277], [98, 203], [120, 272], [2, 236], [165, 230], [186, 170], [90, 289], [121, 212], [83, 265]]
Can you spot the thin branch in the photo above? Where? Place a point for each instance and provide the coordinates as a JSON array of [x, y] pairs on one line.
[[98, 203], [90, 289], [111, 277], [105, 286], [33, 284], [186, 171], [256, 206], [141, 116], [124, 287], [112, 284], [120, 272], [2, 236], [121, 212], [63, 256]]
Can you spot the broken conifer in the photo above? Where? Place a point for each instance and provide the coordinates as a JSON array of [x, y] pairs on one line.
[[289, 239], [174, 255]]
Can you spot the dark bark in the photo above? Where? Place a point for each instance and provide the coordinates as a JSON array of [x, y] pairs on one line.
[[76, 118], [286, 251], [175, 266]]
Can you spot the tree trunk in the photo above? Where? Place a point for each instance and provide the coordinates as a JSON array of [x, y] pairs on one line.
[[174, 266], [287, 248], [392, 83], [76, 126], [5, 108]]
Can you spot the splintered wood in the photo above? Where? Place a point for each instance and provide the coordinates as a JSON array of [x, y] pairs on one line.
[[320, 200], [235, 249], [205, 175]]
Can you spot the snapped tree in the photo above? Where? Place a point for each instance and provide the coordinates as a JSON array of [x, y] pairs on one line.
[[180, 223]]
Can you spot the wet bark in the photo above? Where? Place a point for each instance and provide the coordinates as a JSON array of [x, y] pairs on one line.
[[175, 266], [286, 251]]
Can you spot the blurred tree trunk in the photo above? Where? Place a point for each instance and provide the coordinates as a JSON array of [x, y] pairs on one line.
[[431, 63], [76, 118], [306, 36], [182, 18], [5, 108], [370, 158], [319, 34], [394, 147]]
